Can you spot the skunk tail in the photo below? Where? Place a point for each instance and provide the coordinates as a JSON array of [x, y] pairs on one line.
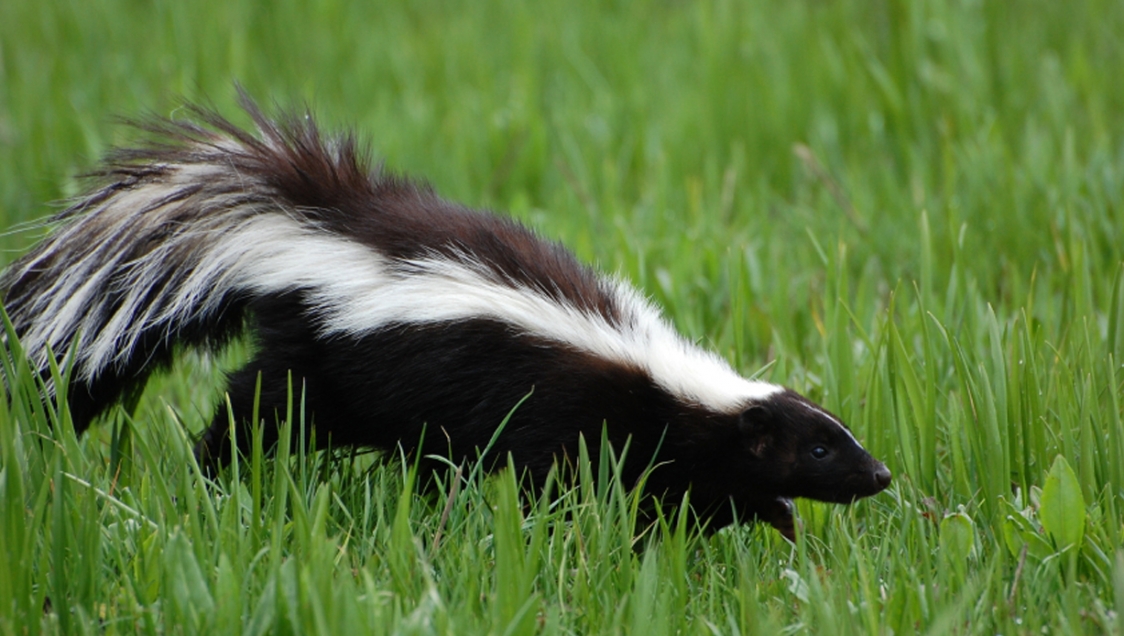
[[175, 242]]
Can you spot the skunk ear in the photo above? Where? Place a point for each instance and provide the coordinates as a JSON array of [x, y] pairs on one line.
[[755, 426]]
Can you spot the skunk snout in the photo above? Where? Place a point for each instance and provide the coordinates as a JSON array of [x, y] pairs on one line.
[[882, 478]]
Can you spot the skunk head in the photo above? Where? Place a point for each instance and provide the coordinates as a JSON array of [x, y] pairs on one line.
[[801, 450]]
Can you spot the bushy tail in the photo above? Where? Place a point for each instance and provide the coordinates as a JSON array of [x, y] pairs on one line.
[[173, 243]]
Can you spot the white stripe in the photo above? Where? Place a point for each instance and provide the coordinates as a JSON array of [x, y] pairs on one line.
[[354, 291], [828, 416]]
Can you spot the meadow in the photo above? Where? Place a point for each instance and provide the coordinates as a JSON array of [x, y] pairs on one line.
[[912, 212]]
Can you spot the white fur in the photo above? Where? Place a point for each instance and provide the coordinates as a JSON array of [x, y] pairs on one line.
[[353, 291], [828, 416]]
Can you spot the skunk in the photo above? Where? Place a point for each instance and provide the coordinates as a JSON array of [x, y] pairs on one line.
[[405, 319]]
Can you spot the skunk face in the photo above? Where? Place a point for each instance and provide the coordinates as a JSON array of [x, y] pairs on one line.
[[805, 451]]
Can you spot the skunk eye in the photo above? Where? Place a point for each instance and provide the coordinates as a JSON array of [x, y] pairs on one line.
[[819, 452]]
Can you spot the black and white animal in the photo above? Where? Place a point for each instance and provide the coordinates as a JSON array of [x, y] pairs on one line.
[[398, 312]]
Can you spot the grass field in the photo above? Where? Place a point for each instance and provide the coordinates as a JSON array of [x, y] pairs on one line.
[[911, 211]]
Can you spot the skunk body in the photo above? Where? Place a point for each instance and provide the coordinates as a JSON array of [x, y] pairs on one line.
[[398, 312]]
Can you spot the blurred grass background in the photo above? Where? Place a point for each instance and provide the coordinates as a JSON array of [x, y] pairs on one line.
[[909, 210]]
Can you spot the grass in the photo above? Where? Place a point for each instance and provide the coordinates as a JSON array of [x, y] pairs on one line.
[[910, 211]]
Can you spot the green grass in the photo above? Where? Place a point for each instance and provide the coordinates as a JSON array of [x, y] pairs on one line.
[[912, 212]]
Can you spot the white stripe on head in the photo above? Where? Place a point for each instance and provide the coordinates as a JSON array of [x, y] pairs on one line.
[[831, 418]]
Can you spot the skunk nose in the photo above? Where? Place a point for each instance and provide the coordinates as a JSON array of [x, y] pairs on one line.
[[882, 477]]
